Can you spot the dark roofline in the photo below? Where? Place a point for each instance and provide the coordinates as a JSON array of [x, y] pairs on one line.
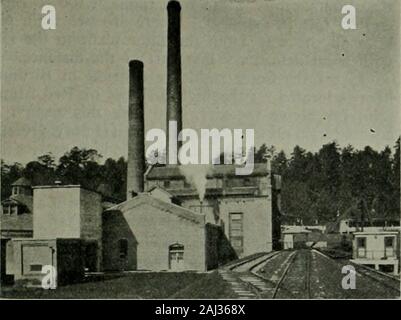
[[65, 186], [218, 171], [22, 182]]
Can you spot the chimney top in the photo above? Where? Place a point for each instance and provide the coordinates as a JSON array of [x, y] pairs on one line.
[[173, 5], [136, 64]]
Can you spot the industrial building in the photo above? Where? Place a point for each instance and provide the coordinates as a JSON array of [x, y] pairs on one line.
[[245, 208], [164, 224], [379, 250], [16, 220]]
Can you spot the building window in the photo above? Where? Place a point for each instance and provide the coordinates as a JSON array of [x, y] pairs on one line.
[[35, 268], [15, 190], [389, 246], [361, 242], [236, 231], [389, 242], [166, 184], [14, 209], [389, 268], [123, 248], [248, 182], [361, 247], [176, 257], [186, 184]]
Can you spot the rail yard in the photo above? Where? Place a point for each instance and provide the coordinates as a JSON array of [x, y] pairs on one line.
[[305, 274]]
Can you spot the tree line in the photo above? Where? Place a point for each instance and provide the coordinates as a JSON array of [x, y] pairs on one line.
[[316, 186]]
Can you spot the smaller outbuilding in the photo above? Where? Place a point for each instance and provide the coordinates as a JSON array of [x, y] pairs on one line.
[[295, 239], [62, 260], [377, 249], [150, 233]]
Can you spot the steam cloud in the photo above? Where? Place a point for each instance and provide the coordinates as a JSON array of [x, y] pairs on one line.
[[196, 174]]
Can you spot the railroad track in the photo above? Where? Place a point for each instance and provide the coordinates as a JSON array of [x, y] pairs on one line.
[[291, 276], [290, 282], [384, 279], [253, 263], [389, 281], [308, 275], [245, 280]]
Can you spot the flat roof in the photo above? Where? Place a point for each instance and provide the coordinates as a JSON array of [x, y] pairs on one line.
[[375, 232], [52, 186], [65, 186], [295, 231]]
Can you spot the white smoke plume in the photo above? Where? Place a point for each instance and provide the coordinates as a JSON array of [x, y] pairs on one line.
[[196, 174]]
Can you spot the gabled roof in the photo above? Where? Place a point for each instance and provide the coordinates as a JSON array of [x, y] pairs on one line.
[[22, 182], [170, 208], [221, 170], [158, 188], [20, 199]]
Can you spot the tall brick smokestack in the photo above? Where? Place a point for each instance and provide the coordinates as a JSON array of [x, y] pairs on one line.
[[174, 109], [136, 132]]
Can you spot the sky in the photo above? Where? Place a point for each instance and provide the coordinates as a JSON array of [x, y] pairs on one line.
[[284, 68]]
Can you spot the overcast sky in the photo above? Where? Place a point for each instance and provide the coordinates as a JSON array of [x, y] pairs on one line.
[[277, 66]]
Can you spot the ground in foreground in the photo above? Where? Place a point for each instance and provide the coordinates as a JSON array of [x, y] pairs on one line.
[[150, 285]]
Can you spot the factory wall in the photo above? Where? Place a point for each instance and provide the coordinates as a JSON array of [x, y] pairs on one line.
[[65, 255], [257, 222], [91, 221], [115, 228], [10, 265], [3, 256], [218, 248], [256, 198], [150, 232], [209, 208], [70, 212], [159, 235], [57, 213]]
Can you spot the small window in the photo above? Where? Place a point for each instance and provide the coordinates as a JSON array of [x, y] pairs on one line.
[[248, 182], [15, 190], [361, 242], [386, 268], [186, 184], [389, 242], [176, 257], [166, 184], [35, 268], [14, 209], [123, 248]]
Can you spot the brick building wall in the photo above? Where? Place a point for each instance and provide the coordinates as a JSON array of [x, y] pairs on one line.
[[257, 222], [56, 213], [116, 227], [91, 220], [151, 229], [65, 255], [69, 212]]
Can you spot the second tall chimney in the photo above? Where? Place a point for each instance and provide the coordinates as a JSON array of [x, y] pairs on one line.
[[136, 131], [174, 109]]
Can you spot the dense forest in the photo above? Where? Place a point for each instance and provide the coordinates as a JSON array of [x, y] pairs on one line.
[[317, 187]]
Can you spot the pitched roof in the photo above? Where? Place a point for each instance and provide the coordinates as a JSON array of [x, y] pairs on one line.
[[158, 188], [145, 198], [21, 199], [222, 170], [22, 182]]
